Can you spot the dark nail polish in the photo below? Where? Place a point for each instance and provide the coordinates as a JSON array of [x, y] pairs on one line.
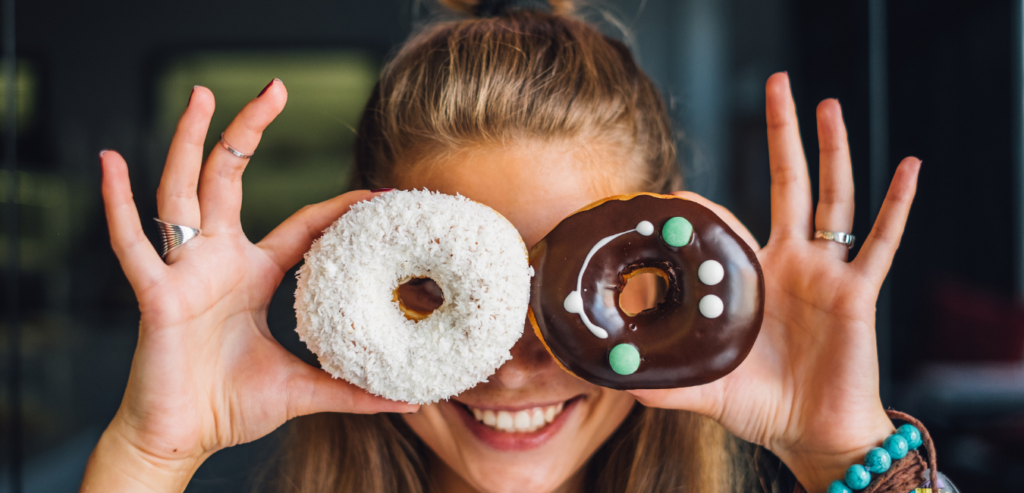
[[381, 190], [268, 87]]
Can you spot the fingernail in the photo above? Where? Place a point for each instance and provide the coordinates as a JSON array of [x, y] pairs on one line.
[[376, 190], [193, 93], [275, 79], [104, 151]]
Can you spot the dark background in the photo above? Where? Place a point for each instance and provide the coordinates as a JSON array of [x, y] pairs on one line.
[[937, 79]]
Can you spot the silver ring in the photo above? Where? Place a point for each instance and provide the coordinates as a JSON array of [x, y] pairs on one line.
[[175, 235], [232, 150], [844, 238]]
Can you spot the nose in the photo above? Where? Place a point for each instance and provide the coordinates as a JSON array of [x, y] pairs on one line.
[[529, 360]]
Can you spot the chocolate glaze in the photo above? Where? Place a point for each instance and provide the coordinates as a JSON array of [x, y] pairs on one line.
[[678, 346]]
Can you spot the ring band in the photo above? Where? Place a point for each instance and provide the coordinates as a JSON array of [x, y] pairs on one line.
[[232, 150], [175, 235], [845, 239]]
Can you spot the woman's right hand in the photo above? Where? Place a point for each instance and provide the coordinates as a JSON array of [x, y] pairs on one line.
[[207, 373]]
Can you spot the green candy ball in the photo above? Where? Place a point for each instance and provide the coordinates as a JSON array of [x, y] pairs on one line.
[[625, 359], [677, 231]]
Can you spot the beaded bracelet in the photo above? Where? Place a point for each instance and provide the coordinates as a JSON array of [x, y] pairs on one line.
[[879, 459]]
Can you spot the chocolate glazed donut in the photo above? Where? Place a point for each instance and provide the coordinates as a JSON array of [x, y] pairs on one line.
[[703, 329]]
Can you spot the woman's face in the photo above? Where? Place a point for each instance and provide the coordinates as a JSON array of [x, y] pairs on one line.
[[531, 426]]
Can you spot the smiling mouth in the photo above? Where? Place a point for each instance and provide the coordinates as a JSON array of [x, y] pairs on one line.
[[524, 421], [516, 430]]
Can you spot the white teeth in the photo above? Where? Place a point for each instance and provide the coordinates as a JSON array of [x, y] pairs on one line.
[[522, 421], [505, 421], [538, 418], [525, 421]]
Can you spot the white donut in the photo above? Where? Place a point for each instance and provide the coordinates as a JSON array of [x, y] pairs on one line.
[[348, 316]]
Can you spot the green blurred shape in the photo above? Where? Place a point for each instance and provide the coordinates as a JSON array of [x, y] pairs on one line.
[[306, 153], [27, 85]]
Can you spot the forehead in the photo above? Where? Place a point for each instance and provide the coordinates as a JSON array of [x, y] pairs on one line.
[[534, 184]]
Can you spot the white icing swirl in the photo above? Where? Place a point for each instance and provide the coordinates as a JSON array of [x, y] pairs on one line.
[[574, 302]]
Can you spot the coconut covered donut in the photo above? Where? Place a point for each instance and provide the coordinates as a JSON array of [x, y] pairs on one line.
[[702, 330], [364, 309]]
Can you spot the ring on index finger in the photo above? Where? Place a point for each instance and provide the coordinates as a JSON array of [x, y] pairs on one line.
[[175, 235], [232, 150], [845, 239]]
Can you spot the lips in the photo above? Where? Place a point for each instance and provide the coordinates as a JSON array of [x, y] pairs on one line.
[[518, 429]]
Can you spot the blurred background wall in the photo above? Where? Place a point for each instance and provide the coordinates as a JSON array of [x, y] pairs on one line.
[[938, 79]]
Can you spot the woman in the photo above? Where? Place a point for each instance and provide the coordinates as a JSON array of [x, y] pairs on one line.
[[528, 110]]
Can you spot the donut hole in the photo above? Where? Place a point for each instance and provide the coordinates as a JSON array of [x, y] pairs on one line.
[[644, 289], [419, 297]]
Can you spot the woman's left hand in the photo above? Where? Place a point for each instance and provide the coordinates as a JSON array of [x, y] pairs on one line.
[[808, 391]]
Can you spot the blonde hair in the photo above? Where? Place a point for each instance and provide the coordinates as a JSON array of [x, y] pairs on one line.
[[522, 74]]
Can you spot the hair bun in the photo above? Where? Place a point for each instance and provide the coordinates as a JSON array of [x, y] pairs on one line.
[[498, 8]]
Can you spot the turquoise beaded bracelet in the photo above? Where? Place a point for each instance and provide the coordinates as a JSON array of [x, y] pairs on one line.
[[879, 459]]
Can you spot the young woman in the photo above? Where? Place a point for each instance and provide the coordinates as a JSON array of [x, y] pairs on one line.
[[524, 108]]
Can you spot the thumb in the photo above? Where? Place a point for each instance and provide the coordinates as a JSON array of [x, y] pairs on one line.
[[701, 399], [289, 240], [312, 390]]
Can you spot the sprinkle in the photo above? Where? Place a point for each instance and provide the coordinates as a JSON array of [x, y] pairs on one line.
[[710, 272], [711, 306], [624, 359], [677, 232]]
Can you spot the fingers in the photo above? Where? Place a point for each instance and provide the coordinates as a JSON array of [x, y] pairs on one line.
[[725, 215], [835, 182], [176, 200], [286, 244], [139, 260], [879, 248], [312, 390], [220, 184], [791, 185]]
